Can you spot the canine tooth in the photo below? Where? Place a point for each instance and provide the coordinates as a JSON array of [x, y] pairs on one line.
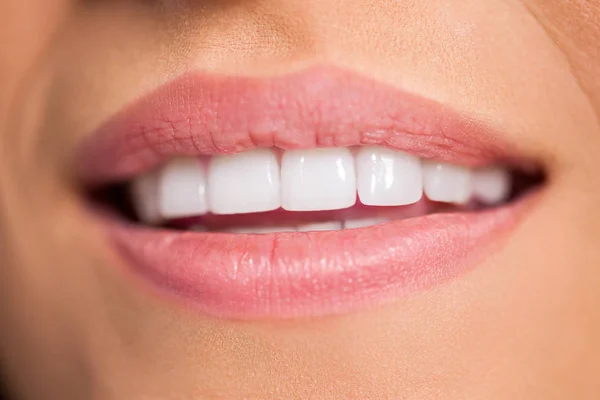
[[318, 179], [182, 188], [244, 183], [491, 185], [388, 178], [446, 182], [144, 193], [320, 226]]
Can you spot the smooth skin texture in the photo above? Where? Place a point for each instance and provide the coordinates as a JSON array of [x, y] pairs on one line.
[[524, 325]]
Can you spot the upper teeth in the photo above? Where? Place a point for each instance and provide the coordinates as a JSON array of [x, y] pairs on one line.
[[318, 179], [448, 183], [388, 178], [243, 183], [308, 180]]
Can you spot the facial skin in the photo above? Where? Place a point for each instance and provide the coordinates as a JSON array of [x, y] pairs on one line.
[[524, 325]]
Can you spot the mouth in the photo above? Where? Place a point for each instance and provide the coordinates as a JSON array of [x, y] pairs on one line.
[[315, 193]]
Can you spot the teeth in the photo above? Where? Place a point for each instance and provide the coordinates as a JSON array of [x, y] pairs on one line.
[[244, 183], [318, 179], [388, 178], [144, 193], [491, 185], [321, 226], [309, 180], [260, 230], [362, 222], [447, 183], [182, 189]]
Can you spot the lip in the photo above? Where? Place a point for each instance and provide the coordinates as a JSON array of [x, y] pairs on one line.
[[296, 274], [202, 114]]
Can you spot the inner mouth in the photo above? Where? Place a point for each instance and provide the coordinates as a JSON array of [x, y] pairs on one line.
[[266, 191]]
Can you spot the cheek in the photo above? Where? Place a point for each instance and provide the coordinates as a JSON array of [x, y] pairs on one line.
[[28, 32], [574, 25]]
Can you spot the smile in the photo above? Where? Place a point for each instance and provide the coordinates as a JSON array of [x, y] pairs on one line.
[[315, 193]]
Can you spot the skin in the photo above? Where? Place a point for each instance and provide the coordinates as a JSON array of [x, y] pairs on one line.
[[524, 325]]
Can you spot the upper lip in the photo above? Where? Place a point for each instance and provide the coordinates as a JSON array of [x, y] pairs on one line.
[[294, 274], [200, 114]]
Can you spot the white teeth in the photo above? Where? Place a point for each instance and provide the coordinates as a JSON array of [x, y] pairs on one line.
[[491, 185], [447, 183], [321, 226], [318, 179], [182, 189], [309, 180], [244, 183], [362, 222], [388, 178], [144, 193]]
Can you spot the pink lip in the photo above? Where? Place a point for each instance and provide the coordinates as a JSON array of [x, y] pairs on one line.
[[321, 107], [296, 274]]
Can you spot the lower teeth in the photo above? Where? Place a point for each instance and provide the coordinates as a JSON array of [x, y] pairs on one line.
[[310, 227]]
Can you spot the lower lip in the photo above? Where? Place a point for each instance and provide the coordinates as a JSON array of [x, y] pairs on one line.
[[290, 275]]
